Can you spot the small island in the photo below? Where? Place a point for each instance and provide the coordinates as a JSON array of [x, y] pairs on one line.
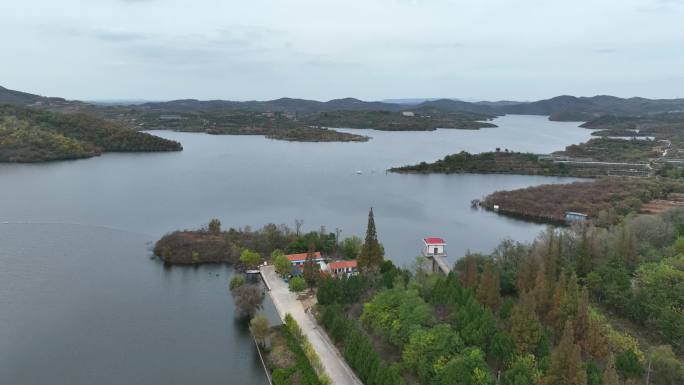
[[499, 162], [386, 120]]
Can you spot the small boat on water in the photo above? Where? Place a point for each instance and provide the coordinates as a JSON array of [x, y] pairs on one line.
[[359, 172]]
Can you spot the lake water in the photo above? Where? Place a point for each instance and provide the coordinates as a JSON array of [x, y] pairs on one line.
[[81, 302]]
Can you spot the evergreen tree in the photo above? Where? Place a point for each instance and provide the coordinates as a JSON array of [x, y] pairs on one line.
[[594, 374], [584, 258], [526, 273], [523, 371], [572, 294], [526, 330], [596, 343], [489, 290], [540, 291], [610, 376], [281, 263], [372, 254], [554, 255], [566, 361], [582, 319], [555, 315], [470, 273], [627, 248]]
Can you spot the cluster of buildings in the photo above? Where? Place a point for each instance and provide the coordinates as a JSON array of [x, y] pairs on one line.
[[433, 247], [334, 268]]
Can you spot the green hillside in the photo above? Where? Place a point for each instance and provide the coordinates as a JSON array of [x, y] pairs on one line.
[[28, 135]]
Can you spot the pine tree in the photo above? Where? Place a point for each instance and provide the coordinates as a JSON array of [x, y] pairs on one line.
[[526, 273], [489, 290], [610, 376], [597, 340], [572, 294], [555, 315], [566, 361], [582, 319], [372, 254], [470, 274], [627, 248], [584, 260], [526, 330], [554, 256], [541, 291]]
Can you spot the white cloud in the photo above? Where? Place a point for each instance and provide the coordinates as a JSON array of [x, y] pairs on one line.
[[258, 49]]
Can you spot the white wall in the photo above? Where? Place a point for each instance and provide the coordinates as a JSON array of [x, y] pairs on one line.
[[430, 249]]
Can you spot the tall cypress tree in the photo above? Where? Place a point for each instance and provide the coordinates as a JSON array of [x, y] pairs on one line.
[[584, 258], [489, 290], [541, 290], [526, 330], [555, 315], [372, 254], [526, 273], [566, 361], [469, 276]]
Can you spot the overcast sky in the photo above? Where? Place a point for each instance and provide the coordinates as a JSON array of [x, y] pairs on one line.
[[324, 49]]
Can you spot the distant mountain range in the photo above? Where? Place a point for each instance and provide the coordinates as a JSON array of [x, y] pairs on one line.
[[563, 107]]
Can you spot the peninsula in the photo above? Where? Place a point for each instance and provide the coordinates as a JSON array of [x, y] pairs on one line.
[[31, 135]]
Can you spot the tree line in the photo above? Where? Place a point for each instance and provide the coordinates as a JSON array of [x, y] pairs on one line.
[[544, 313]]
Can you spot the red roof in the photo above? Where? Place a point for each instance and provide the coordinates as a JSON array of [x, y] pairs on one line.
[[342, 265], [301, 256], [434, 241]]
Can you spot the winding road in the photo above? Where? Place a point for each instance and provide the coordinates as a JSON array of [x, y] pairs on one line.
[[286, 302]]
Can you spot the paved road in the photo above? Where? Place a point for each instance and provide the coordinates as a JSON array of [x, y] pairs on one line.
[[285, 302]]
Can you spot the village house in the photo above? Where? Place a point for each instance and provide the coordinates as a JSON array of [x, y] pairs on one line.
[[297, 261], [343, 268]]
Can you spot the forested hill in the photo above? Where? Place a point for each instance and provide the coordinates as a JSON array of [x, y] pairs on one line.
[[564, 107], [30, 135], [573, 108]]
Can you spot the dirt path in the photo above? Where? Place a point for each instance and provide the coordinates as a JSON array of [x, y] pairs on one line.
[[286, 302]]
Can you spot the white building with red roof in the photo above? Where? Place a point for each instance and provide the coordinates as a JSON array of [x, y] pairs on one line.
[[340, 268], [299, 259], [434, 246]]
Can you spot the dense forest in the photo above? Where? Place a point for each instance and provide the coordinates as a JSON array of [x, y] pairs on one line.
[[29, 135], [499, 162], [606, 200], [577, 306], [615, 150]]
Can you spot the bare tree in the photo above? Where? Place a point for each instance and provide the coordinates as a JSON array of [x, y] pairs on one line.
[[248, 299], [298, 225]]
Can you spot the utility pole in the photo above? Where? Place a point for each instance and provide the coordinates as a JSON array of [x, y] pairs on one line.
[[648, 371]]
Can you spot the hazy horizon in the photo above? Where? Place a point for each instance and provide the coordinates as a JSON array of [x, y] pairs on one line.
[[385, 49]]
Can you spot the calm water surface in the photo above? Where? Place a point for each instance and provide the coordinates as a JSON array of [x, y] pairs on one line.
[[81, 302]]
